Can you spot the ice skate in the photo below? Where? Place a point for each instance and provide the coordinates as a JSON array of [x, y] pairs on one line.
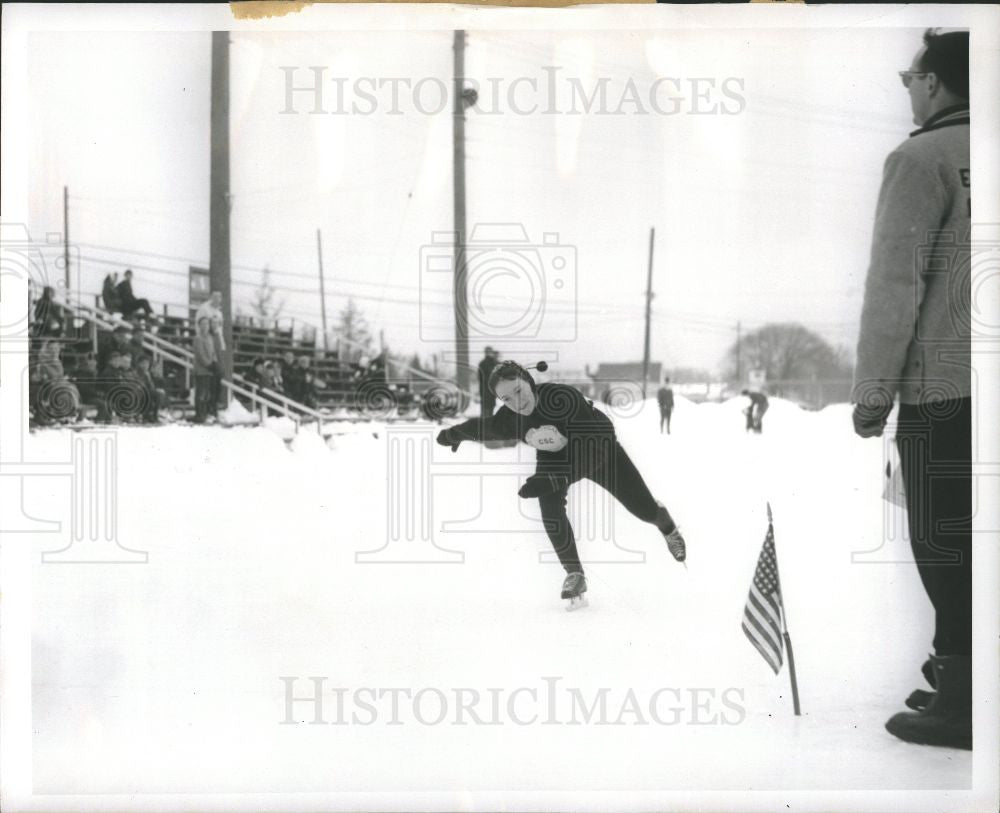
[[676, 546], [573, 589], [671, 533]]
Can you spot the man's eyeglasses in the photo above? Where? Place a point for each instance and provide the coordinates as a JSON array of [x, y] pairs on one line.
[[908, 76]]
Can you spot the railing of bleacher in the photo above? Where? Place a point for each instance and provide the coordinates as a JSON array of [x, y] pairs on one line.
[[263, 399]]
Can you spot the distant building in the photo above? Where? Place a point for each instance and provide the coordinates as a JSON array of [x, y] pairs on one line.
[[622, 379]]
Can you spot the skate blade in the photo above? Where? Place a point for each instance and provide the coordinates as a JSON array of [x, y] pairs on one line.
[[576, 603]]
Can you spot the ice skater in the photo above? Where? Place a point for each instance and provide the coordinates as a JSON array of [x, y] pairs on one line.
[[665, 398], [572, 441], [755, 412]]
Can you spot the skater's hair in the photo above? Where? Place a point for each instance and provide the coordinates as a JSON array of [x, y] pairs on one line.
[[509, 371], [947, 57]]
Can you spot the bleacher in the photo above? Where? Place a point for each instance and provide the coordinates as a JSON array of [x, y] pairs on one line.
[[345, 388]]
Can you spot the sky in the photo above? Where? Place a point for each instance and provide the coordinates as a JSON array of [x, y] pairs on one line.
[[759, 174]]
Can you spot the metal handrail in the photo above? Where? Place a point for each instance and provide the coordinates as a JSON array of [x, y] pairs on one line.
[[261, 397]]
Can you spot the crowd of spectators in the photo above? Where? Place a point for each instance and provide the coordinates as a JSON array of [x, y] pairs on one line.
[[122, 381]]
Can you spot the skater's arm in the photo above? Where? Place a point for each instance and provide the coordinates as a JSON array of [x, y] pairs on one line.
[[500, 426]]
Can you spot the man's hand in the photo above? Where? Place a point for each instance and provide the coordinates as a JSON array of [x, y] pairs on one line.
[[445, 439], [869, 420], [538, 485]]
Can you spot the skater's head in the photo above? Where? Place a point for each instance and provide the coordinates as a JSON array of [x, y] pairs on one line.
[[744, 392], [203, 325], [514, 386]]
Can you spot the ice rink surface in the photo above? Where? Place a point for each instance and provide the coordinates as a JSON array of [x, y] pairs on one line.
[[168, 676]]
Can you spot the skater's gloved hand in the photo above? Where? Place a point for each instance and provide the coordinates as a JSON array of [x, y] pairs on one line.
[[546, 438], [870, 419], [445, 439], [538, 485]]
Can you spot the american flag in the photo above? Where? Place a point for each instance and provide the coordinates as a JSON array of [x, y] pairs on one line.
[[762, 615]]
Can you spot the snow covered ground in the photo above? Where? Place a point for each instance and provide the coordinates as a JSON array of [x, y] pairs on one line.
[[168, 676]]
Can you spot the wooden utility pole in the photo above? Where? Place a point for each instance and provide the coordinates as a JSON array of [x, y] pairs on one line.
[[460, 290], [322, 289], [649, 303], [66, 241], [220, 273]]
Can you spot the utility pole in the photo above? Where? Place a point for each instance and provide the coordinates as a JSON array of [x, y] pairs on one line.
[[460, 290], [66, 240], [219, 258], [649, 302], [322, 289], [739, 353]]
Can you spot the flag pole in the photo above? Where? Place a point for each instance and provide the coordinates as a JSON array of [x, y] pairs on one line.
[[784, 628]]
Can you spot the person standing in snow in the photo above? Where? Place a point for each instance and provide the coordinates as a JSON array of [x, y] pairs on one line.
[[665, 398], [915, 342], [755, 412], [572, 441], [207, 371]]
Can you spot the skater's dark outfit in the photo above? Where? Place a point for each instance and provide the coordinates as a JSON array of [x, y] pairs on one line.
[[592, 451]]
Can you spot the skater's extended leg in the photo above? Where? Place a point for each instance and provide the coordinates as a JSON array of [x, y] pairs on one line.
[[557, 526], [619, 475]]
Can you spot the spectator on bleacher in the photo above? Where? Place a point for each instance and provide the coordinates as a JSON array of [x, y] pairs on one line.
[[109, 293], [127, 300], [211, 309], [137, 338], [119, 342], [108, 381], [156, 371], [272, 376], [56, 396], [308, 383], [48, 316], [150, 404], [292, 379], [288, 370], [257, 374], [207, 371], [84, 376]]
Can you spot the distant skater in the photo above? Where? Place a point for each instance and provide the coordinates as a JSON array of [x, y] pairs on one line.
[[755, 412], [572, 441], [665, 398]]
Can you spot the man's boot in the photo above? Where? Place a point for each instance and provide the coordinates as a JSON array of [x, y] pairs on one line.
[[947, 720]]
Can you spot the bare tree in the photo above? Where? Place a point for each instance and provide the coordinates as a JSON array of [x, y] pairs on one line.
[[354, 331], [787, 351], [264, 307]]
